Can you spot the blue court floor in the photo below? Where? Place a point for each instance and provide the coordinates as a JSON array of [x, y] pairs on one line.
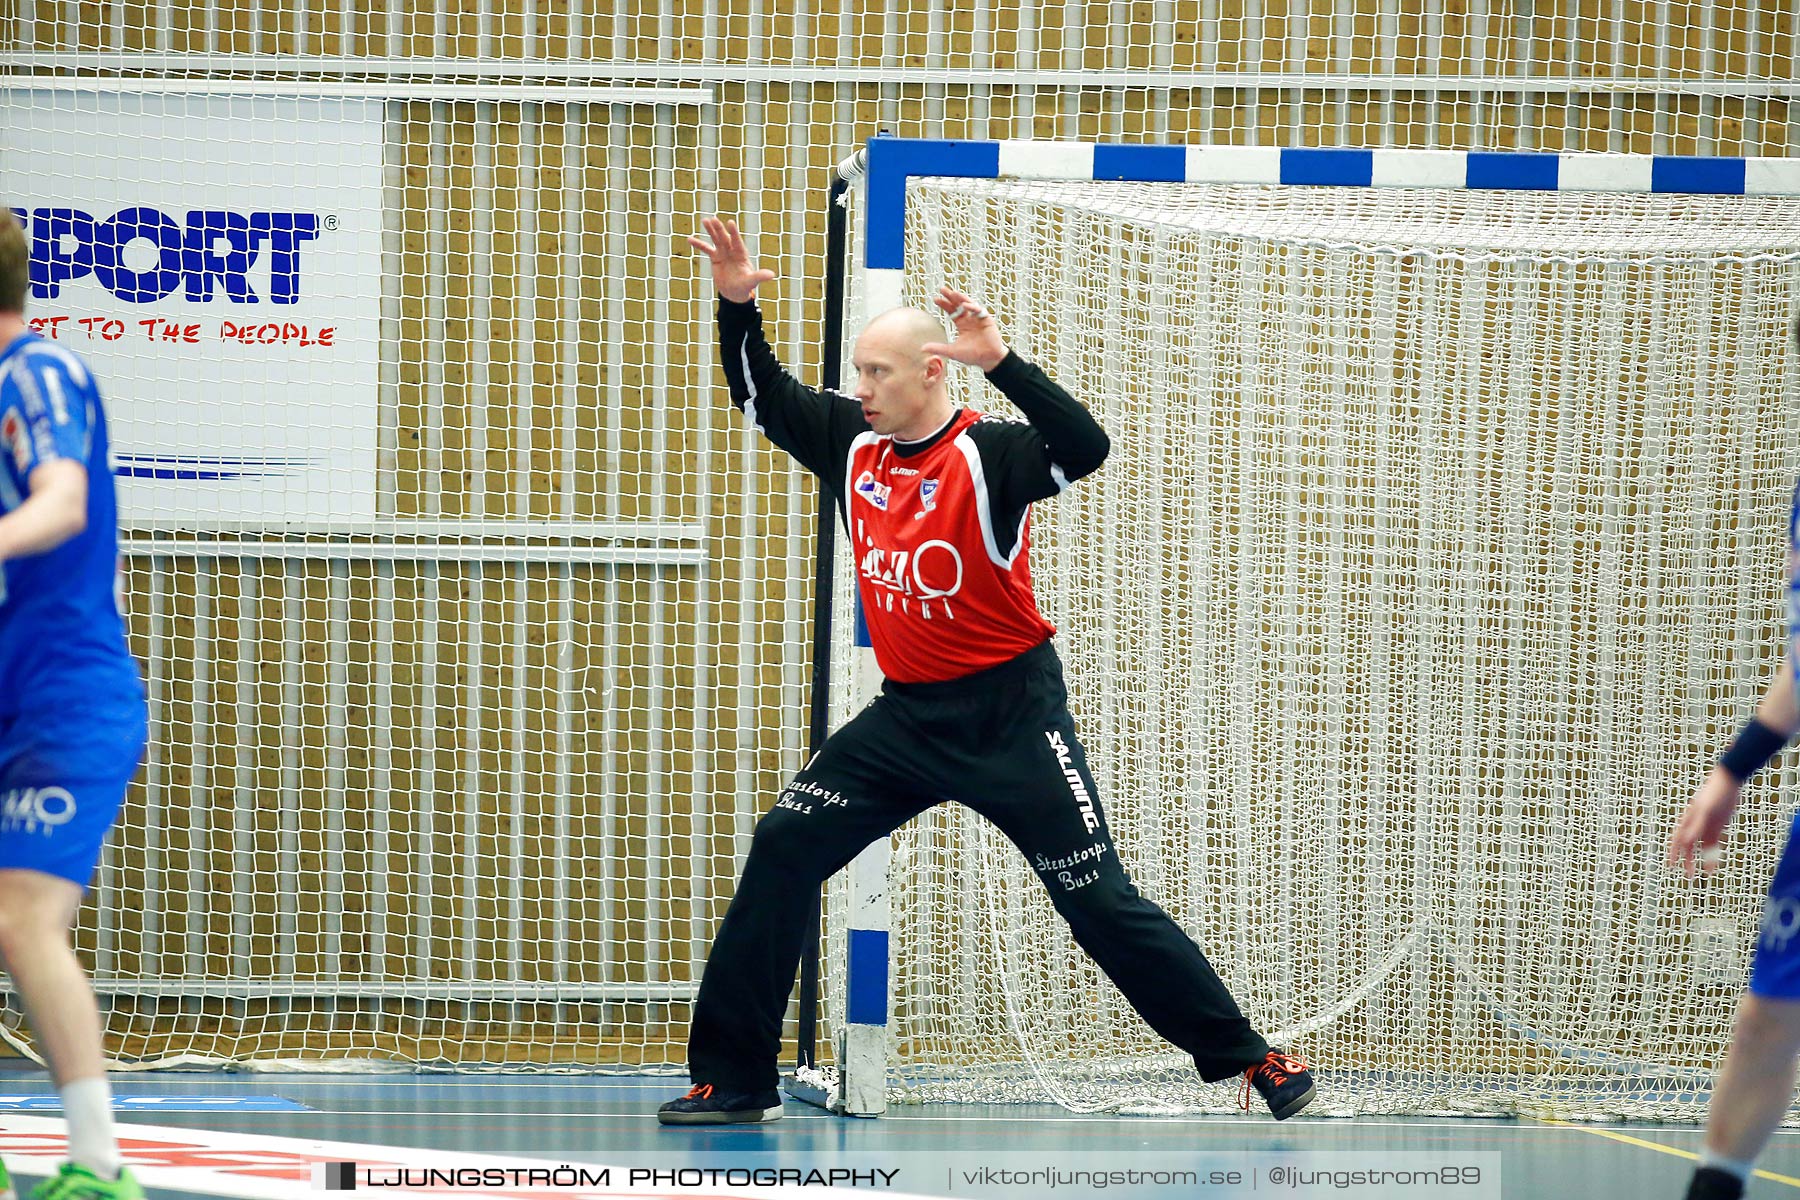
[[610, 1120]]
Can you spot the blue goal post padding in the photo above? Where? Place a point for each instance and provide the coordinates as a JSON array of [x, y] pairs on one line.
[[892, 161]]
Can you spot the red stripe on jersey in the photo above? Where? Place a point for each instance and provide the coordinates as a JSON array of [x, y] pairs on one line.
[[939, 600]]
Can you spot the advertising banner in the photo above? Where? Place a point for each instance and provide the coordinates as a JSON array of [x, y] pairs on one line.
[[217, 262]]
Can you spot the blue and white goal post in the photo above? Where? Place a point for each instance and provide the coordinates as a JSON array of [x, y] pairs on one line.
[[860, 985]]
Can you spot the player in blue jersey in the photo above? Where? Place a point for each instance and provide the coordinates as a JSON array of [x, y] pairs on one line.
[[1756, 1083], [72, 719]]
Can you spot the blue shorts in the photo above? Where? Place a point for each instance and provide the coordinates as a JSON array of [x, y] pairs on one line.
[[1775, 965], [54, 816]]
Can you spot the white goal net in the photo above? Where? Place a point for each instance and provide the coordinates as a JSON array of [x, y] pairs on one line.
[[1440, 547]]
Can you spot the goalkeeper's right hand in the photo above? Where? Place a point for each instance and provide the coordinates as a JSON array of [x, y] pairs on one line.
[[734, 275]]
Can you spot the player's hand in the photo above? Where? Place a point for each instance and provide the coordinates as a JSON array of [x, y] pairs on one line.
[[977, 341], [734, 274], [1702, 823]]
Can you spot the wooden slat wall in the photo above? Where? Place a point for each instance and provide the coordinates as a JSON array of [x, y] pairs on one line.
[[1558, 39]]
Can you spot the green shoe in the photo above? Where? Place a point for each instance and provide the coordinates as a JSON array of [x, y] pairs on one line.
[[78, 1183], [6, 1187]]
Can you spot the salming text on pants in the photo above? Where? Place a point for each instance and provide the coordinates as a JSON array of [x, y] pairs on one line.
[[1002, 742]]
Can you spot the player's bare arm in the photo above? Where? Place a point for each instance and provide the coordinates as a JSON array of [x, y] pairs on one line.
[[55, 511], [1701, 826]]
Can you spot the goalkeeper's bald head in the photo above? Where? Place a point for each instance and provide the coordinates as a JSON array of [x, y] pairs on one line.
[[906, 330], [900, 387]]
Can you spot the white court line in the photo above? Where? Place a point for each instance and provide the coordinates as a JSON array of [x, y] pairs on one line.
[[520, 1079], [584, 1114], [398, 1079], [1216, 1120], [1521, 1124]]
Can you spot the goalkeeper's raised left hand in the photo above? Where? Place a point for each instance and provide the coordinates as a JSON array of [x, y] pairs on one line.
[[977, 341]]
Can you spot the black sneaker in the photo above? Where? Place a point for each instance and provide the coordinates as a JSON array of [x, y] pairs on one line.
[[1285, 1083], [705, 1106]]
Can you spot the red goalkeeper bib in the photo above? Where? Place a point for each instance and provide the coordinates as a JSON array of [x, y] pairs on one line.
[[939, 529], [944, 593]]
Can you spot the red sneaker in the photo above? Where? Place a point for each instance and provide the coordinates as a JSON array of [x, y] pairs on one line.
[[704, 1106], [1285, 1083]]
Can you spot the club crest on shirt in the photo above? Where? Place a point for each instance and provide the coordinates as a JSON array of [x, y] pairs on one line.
[[873, 490], [927, 498], [12, 433]]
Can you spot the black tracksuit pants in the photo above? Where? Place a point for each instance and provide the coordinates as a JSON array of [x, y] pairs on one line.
[[1002, 742]]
